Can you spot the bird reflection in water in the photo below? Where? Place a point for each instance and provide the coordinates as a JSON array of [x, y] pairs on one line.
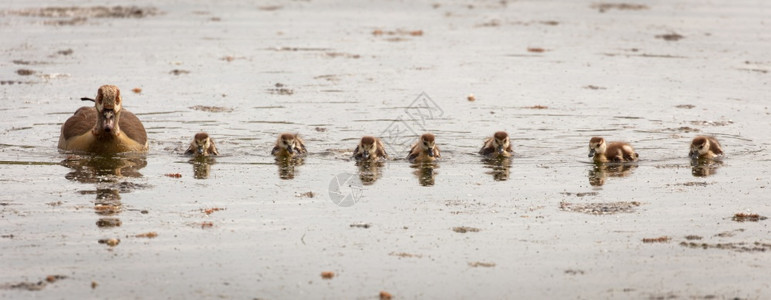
[[202, 166], [601, 171], [498, 167], [425, 172], [369, 171], [286, 166], [106, 173], [703, 167]]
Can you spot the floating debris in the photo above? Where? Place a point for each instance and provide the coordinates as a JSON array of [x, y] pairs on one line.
[[361, 225], [54, 278], [207, 224], [209, 211], [25, 72], [670, 37], [149, 235], [601, 208], [574, 272], [385, 295], [211, 108], [178, 72], [108, 222], [270, 7], [379, 32], [742, 217], [327, 275], [173, 175], [661, 239], [306, 195], [738, 247], [405, 254], [583, 194], [712, 123], [280, 89], [602, 7], [481, 264], [112, 242], [90, 12], [464, 229]]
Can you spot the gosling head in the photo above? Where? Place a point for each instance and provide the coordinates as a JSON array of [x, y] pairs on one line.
[[201, 144], [287, 141], [367, 147], [597, 146], [699, 146], [501, 141], [428, 144]]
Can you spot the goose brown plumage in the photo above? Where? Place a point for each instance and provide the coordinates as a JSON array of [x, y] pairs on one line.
[[106, 128]]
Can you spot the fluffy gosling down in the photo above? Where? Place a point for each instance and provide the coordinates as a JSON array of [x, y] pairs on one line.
[[425, 150], [497, 145], [202, 145], [611, 152], [289, 145], [369, 148], [705, 147], [105, 128]]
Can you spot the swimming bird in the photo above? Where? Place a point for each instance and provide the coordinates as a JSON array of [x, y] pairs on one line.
[[202, 145], [497, 145], [706, 147], [105, 128], [425, 150], [369, 148], [289, 145], [613, 152]]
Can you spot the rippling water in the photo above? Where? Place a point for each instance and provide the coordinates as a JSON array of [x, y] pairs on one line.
[[546, 223]]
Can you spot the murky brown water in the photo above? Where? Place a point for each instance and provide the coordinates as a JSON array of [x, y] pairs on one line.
[[546, 224]]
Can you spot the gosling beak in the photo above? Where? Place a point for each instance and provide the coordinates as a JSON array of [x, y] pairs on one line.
[[591, 152], [431, 152], [200, 150], [365, 155], [693, 154], [500, 149], [290, 149]]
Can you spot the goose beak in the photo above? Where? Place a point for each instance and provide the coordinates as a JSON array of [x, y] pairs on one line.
[[365, 155], [500, 149], [290, 149], [109, 121], [431, 152], [591, 152], [200, 149], [693, 154]]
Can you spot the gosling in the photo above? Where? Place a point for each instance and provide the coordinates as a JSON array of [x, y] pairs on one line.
[[497, 146], [289, 145], [202, 145], [425, 150], [613, 152], [369, 148], [705, 147]]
